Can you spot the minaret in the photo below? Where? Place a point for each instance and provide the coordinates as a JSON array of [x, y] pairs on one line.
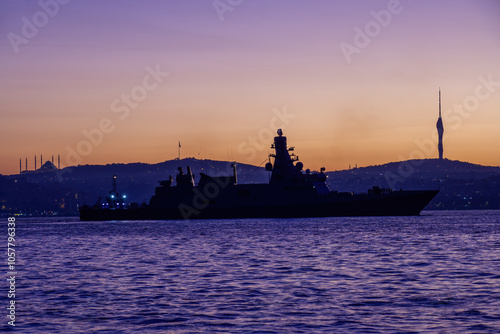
[[58, 161], [26, 164], [35, 161], [440, 128], [20, 165]]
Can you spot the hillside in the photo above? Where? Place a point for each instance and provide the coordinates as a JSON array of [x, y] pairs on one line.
[[463, 185], [48, 191]]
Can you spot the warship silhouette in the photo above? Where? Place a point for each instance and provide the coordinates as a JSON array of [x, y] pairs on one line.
[[291, 192]]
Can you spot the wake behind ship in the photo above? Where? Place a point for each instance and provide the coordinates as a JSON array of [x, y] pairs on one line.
[[291, 192]]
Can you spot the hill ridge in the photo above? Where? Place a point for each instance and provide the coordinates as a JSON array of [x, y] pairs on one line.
[[463, 185]]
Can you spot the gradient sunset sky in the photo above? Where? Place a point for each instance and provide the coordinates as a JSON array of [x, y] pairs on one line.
[[233, 66]]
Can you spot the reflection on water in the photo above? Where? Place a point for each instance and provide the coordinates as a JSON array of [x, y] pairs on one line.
[[439, 272]]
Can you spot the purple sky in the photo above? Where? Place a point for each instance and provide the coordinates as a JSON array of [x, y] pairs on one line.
[[231, 80]]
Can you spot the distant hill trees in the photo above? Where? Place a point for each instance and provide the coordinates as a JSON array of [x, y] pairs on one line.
[[51, 191], [463, 185]]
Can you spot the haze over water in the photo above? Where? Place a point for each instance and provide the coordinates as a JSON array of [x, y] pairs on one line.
[[438, 272]]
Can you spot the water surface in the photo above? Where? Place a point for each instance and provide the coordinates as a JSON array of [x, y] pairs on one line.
[[436, 273]]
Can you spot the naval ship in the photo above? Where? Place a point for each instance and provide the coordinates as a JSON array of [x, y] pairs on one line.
[[291, 192]]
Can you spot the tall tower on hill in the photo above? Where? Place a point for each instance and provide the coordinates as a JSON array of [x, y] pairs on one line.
[[440, 128]]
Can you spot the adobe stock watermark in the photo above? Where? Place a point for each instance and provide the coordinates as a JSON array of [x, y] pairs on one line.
[[363, 37], [453, 118], [120, 106], [210, 190], [261, 141], [223, 6], [204, 194], [31, 27]]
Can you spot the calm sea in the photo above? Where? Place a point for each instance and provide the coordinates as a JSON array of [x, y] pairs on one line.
[[435, 273]]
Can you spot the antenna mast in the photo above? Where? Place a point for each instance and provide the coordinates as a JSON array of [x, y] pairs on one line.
[[439, 102], [440, 129]]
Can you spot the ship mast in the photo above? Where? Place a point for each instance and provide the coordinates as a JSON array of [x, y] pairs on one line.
[[114, 184], [283, 170]]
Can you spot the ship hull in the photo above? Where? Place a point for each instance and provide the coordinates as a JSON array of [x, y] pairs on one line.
[[400, 203], [291, 193]]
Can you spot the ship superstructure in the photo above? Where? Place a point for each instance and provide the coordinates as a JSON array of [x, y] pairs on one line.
[[291, 192]]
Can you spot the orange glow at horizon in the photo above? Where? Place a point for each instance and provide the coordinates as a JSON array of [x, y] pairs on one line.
[[103, 90]]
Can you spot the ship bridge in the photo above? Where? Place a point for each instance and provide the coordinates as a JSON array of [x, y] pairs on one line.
[[285, 172]]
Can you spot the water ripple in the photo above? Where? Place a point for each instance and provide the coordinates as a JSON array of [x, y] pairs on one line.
[[439, 272]]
